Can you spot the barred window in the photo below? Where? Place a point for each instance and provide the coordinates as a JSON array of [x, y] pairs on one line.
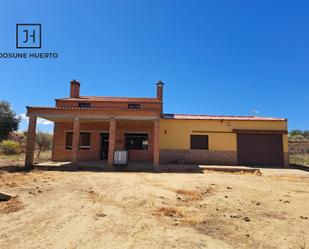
[[136, 141], [84, 105], [134, 106], [84, 140], [199, 142]]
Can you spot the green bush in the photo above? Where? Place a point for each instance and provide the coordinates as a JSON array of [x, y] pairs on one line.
[[10, 147]]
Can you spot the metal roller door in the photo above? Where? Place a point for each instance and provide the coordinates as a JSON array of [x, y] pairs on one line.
[[259, 149]]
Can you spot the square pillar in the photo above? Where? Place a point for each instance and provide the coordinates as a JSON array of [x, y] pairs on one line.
[[111, 142], [156, 143], [75, 141], [30, 142]]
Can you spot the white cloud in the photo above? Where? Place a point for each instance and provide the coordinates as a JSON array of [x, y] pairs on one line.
[[44, 121], [39, 120], [23, 116], [255, 111]]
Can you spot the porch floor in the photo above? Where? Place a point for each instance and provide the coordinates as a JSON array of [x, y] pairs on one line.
[[100, 165], [143, 167]]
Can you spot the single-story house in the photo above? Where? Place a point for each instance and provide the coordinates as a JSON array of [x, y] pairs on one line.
[[91, 128]]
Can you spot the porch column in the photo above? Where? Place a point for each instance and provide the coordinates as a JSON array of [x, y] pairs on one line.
[[75, 141], [156, 143], [30, 142], [111, 142]]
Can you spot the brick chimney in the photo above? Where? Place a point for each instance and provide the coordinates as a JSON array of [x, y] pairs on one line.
[[74, 89], [160, 89]]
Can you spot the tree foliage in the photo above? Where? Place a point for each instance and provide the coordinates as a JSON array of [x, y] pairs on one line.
[[8, 120], [299, 135]]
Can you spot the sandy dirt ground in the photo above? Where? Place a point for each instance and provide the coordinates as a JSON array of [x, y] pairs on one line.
[[154, 210]]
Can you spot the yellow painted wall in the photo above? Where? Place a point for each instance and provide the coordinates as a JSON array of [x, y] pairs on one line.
[[285, 143], [175, 134]]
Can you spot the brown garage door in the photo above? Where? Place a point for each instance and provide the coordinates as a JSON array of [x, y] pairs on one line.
[[259, 149]]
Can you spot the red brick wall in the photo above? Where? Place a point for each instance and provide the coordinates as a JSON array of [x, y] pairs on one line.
[[93, 112], [98, 104], [136, 127], [60, 153], [74, 89]]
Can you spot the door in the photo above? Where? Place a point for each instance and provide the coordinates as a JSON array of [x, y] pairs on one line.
[[104, 145], [259, 149]]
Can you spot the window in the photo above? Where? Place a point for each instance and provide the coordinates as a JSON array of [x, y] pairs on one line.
[[84, 105], [84, 140], [199, 142], [136, 141], [69, 140], [134, 106]]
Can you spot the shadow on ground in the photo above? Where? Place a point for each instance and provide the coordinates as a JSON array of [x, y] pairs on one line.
[[300, 167]]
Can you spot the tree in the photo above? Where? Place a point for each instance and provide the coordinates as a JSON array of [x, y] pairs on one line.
[[299, 135], [306, 134], [8, 120], [43, 141], [296, 132]]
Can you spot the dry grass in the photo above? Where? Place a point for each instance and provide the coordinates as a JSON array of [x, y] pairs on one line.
[[11, 206], [256, 172], [187, 192], [300, 159], [193, 195], [190, 194], [45, 155], [180, 210], [169, 211], [93, 196], [190, 221], [19, 179]]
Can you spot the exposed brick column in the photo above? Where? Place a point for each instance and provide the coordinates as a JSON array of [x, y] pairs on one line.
[[75, 141], [160, 85], [30, 142], [53, 141], [156, 143], [111, 142]]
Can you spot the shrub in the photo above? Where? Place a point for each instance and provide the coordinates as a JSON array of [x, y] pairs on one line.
[[19, 137], [10, 147]]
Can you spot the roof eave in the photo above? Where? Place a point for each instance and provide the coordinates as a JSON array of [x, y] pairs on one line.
[[219, 117], [133, 100]]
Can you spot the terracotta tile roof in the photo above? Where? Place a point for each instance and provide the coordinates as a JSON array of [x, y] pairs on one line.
[[112, 99], [219, 117], [86, 109]]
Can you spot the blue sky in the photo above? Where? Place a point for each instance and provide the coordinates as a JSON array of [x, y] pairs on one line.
[[215, 57]]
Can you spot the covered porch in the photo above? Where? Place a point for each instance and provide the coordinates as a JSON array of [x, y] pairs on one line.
[[93, 134]]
